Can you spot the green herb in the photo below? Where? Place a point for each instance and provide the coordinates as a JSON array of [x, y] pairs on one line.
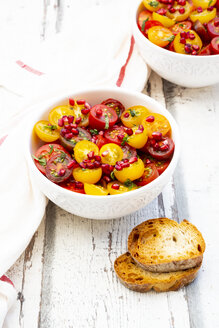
[[62, 157], [129, 184], [170, 39], [133, 112], [50, 127], [181, 25], [112, 175], [143, 24], [124, 140], [83, 169], [40, 160], [106, 121], [210, 2], [51, 149], [154, 4], [94, 131]]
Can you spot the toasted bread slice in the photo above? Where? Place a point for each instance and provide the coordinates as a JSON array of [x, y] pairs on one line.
[[135, 278], [163, 245]]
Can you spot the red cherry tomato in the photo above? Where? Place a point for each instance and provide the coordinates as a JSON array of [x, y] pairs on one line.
[[114, 104], [115, 134], [213, 28], [170, 47], [100, 141], [206, 51], [128, 152], [215, 45], [180, 27], [160, 165], [44, 153], [70, 143], [160, 149], [150, 174], [73, 185], [143, 17], [57, 167], [150, 24], [102, 117], [202, 31]]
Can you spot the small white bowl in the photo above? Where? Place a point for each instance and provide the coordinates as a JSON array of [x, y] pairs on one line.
[[101, 207], [185, 70]]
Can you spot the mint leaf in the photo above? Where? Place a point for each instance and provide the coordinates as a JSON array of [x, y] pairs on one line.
[[210, 2], [106, 121], [51, 149], [133, 112], [124, 140], [170, 39], [143, 24], [94, 131], [153, 4], [112, 175], [40, 160], [129, 184]]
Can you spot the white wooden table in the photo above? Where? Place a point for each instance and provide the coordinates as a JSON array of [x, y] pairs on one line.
[[65, 278]]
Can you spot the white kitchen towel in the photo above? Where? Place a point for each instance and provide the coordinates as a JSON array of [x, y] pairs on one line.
[[100, 52], [7, 297]]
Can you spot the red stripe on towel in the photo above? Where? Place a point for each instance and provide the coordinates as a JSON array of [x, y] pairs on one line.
[[3, 139], [29, 68], [123, 68]]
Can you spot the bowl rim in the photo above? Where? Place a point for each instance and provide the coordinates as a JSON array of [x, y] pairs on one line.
[[165, 51], [63, 97]]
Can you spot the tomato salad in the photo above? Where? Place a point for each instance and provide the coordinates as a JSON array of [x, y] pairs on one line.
[[103, 149], [185, 27]]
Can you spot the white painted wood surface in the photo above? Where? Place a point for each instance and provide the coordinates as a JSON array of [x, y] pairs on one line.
[[65, 277]]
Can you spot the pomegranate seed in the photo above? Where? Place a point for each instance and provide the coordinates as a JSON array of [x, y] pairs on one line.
[[156, 146], [90, 165], [81, 101], [68, 135], [188, 48], [115, 186], [172, 10], [182, 40], [71, 164], [164, 147], [101, 133], [120, 136], [62, 172], [60, 122], [105, 167], [65, 119], [64, 131], [74, 126], [94, 139], [150, 119], [86, 160], [148, 161], [87, 105], [162, 11], [71, 102], [97, 164], [70, 119], [183, 35], [79, 184], [124, 165], [153, 142], [195, 47], [182, 2], [210, 8], [90, 155], [99, 112], [181, 10], [106, 178], [171, 2], [141, 127], [83, 165], [169, 7], [129, 131], [199, 10], [105, 153], [192, 36], [133, 160], [138, 131], [111, 168], [194, 53], [126, 160], [126, 115], [97, 158], [68, 127], [75, 131], [78, 120], [118, 167], [216, 22], [85, 111], [157, 135]]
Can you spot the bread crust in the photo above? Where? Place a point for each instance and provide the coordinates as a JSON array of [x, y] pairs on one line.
[[163, 245], [135, 278]]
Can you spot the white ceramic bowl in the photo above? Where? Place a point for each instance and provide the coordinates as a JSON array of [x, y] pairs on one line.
[[185, 70], [101, 207]]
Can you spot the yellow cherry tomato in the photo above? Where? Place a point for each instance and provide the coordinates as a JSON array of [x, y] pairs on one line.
[[204, 3], [204, 17], [87, 175], [111, 153], [46, 131], [164, 20], [134, 115], [122, 188], [160, 35], [133, 172], [159, 124], [180, 48], [57, 113], [181, 12], [152, 5], [96, 190], [139, 137], [84, 147], [76, 109]]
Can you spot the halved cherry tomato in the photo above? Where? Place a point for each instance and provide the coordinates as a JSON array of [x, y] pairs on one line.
[[70, 143], [150, 174], [57, 113], [133, 172], [82, 148], [57, 167], [143, 17], [181, 12], [96, 190], [204, 3], [139, 137], [114, 104], [77, 112], [164, 20], [160, 35], [134, 115], [202, 31], [159, 124], [215, 45], [100, 141], [111, 153], [160, 165], [204, 17], [102, 117], [150, 24], [112, 134], [120, 187], [44, 153], [128, 152], [46, 131], [87, 175], [213, 28], [206, 51], [73, 185], [180, 47], [152, 5], [170, 47], [160, 149], [180, 27]]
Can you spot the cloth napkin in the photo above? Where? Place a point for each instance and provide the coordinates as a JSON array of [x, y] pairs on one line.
[[97, 49]]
